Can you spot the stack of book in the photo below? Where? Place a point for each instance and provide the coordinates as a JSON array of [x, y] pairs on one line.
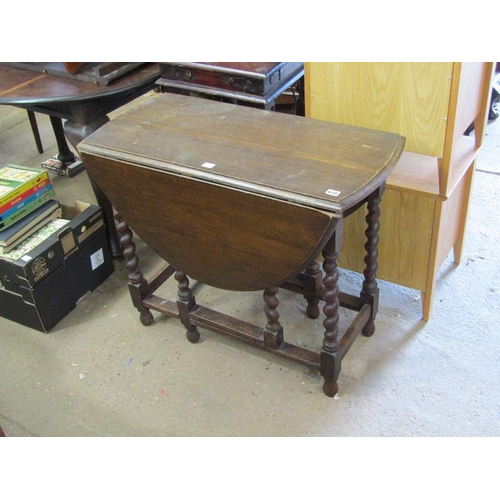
[[27, 204]]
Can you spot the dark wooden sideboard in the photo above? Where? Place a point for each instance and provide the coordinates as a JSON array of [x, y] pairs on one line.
[[245, 199], [258, 84]]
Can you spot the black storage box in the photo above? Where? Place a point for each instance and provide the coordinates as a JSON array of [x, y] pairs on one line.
[[43, 286]]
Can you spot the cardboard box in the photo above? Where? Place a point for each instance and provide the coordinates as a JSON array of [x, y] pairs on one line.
[[44, 285]]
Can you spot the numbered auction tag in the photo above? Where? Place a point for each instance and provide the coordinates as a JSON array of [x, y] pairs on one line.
[[332, 192]]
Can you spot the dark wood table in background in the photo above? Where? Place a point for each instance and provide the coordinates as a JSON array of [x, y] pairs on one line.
[[245, 199], [257, 84], [84, 106]]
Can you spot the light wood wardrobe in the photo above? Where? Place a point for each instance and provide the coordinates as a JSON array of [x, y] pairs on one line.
[[424, 212]]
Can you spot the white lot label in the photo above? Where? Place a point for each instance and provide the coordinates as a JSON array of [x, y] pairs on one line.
[[208, 165], [96, 259], [332, 192]]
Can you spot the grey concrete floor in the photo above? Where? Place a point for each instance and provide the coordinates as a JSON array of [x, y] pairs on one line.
[[101, 373]]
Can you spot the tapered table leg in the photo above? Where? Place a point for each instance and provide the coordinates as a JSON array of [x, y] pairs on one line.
[[36, 132], [65, 155]]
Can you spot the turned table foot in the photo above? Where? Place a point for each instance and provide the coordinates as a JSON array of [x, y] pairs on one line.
[[313, 280], [185, 303], [273, 333], [330, 388]]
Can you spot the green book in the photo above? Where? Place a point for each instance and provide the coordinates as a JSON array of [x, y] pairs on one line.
[[15, 179], [28, 208], [13, 232]]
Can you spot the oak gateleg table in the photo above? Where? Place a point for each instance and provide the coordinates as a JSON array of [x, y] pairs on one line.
[[245, 199]]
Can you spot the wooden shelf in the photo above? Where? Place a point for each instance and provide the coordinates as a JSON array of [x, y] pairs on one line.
[[416, 173], [419, 174]]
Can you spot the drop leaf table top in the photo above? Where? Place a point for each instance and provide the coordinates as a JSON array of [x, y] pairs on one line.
[[243, 199]]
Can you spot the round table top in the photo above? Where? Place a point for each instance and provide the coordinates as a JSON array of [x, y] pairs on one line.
[[21, 87]]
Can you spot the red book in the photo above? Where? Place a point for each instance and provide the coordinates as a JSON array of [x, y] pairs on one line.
[[18, 199]]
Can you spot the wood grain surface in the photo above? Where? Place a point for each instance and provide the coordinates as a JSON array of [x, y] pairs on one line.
[[319, 164], [408, 98]]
